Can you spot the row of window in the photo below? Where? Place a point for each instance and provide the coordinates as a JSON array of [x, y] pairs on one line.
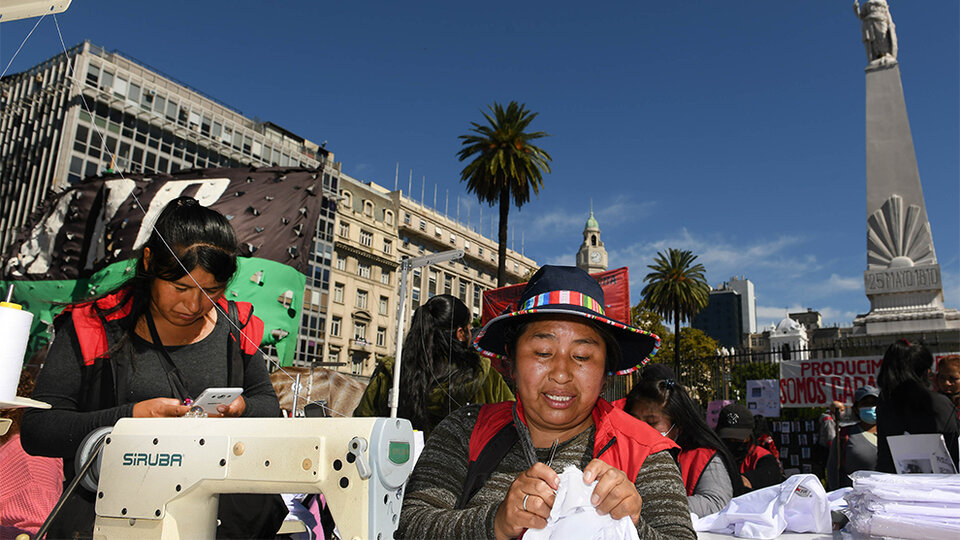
[[448, 288], [368, 207], [366, 238], [360, 299], [359, 331], [190, 116], [439, 233]]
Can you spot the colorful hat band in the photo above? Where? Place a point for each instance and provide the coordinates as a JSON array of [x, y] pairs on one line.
[[563, 297]]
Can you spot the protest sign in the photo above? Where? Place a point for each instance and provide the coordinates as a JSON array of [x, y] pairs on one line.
[[818, 382], [763, 397], [713, 411]]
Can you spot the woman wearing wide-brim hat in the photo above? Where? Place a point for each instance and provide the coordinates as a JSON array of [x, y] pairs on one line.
[[484, 472]]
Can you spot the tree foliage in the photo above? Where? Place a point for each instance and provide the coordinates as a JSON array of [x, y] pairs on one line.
[[676, 288], [506, 165]]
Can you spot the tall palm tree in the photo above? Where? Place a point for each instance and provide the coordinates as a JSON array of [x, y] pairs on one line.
[[507, 166], [677, 289]]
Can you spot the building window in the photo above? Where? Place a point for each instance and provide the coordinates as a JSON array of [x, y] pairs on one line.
[[361, 299], [366, 238], [363, 270], [368, 208], [466, 245], [438, 232], [479, 251], [453, 239], [516, 268], [344, 230], [341, 263], [338, 293], [476, 295], [347, 199], [463, 291], [333, 356], [406, 218], [416, 278], [385, 276], [384, 305], [356, 367], [387, 246], [423, 225], [335, 326], [381, 337], [415, 298], [360, 331], [388, 217], [432, 285], [447, 284]]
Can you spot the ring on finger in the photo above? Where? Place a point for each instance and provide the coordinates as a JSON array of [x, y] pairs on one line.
[[525, 497]]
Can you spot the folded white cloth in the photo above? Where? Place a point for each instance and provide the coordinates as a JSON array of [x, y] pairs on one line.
[[799, 505], [920, 506], [574, 517]]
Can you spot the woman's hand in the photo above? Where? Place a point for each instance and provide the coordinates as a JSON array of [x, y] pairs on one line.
[[234, 409], [614, 494], [537, 485], [160, 407]]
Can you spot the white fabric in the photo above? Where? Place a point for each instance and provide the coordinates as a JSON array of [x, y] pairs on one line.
[[799, 504], [574, 517], [921, 506]]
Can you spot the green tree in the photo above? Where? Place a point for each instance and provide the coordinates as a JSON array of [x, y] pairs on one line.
[[505, 166], [677, 289]]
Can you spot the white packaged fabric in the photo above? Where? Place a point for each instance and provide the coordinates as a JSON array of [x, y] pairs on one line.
[[799, 504], [574, 517], [921, 506]]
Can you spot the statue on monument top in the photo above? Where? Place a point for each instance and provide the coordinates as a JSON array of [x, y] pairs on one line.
[[879, 33]]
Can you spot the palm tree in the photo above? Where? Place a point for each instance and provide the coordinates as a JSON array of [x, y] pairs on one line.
[[677, 289], [506, 165]]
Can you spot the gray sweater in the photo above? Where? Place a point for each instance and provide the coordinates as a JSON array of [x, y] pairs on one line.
[[57, 432], [437, 480], [714, 489]]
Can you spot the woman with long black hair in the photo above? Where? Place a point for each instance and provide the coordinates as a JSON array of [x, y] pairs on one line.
[[710, 475], [440, 372], [907, 404], [146, 349]]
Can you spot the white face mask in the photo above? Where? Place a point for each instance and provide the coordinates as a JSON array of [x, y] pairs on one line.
[[667, 432]]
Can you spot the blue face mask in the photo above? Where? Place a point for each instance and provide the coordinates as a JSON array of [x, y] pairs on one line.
[[868, 414]]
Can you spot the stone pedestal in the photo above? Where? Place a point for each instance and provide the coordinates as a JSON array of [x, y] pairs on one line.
[[902, 279]]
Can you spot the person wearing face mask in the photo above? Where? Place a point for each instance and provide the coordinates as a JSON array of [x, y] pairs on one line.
[[855, 447], [708, 470], [440, 374], [758, 468]]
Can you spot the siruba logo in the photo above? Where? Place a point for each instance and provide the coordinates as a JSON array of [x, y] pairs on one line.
[[133, 459]]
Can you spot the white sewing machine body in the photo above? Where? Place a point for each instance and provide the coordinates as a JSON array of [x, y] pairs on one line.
[[160, 477]]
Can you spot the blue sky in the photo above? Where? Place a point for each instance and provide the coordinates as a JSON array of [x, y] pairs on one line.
[[733, 129]]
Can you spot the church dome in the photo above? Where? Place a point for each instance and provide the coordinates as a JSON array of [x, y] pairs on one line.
[[788, 326], [592, 222]]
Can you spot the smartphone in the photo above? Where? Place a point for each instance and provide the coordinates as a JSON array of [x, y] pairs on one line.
[[210, 398]]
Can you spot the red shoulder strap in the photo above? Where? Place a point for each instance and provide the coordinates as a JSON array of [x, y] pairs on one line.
[[490, 420], [91, 334], [251, 326], [692, 464]]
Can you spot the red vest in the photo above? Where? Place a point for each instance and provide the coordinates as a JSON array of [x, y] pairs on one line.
[[89, 321], [692, 464], [620, 440], [749, 463]]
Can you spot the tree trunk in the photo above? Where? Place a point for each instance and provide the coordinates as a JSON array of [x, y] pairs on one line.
[[676, 340], [502, 248]]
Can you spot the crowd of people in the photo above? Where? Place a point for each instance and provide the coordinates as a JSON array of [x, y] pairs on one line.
[[493, 456]]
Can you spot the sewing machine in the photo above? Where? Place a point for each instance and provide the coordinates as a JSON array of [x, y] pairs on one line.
[[160, 477]]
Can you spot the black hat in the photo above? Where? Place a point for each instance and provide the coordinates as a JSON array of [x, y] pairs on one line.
[[735, 422], [568, 290]]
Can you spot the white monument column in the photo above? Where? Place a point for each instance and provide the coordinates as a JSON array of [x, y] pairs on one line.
[[902, 279]]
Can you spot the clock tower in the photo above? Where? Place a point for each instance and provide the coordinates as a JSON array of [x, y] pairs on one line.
[[592, 257]]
